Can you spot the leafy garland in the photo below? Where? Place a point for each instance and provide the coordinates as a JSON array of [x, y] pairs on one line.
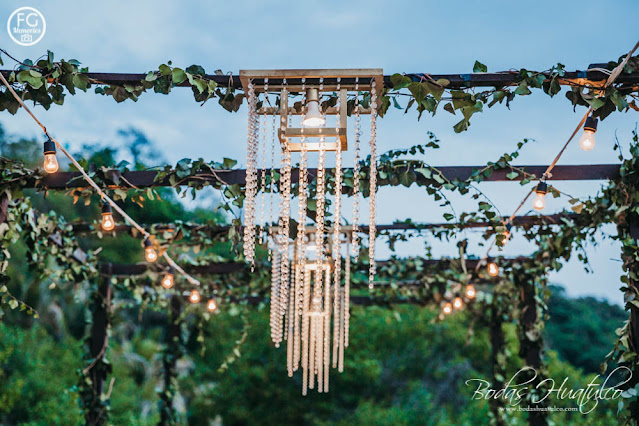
[[45, 80]]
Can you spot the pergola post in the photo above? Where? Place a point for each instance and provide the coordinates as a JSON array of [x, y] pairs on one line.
[[93, 376], [172, 352], [531, 342]]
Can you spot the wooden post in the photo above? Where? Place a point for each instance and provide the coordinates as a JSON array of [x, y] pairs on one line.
[[531, 342], [497, 342], [172, 352], [95, 408]]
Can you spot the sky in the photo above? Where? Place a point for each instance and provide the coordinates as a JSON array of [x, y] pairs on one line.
[[398, 36]]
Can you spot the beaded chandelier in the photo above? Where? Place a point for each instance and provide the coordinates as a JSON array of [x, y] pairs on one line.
[[303, 283]]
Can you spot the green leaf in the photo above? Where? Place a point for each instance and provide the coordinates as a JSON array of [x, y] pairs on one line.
[[461, 126], [479, 67], [228, 163], [178, 75], [512, 175]]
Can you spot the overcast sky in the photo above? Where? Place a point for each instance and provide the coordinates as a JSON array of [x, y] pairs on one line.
[[398, 36]]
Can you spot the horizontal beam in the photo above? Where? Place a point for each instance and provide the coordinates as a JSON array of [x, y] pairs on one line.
[[496, 79], [230, 267], [84, 228], [145, 179]]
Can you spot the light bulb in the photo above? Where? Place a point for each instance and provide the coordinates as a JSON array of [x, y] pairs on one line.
[[539, 202], [194, 297], [150, 255], [211, 305], [313, 116], [470, 291], [107, 222], [149, 252], [167, 281], [448, 308], [457, 303], [540, 196], [493, 269], [587, 140], [50, 163]]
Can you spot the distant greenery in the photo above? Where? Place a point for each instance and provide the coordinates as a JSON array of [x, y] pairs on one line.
[[573, 321]]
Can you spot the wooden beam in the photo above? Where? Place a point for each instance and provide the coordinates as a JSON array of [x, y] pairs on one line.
[[85, 228], [145, 179], [496, 79], [230, 267]]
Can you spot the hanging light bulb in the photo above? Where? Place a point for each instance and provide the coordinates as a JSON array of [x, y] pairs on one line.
[[108, 224], [167, 281], [458, 302], [50, 161], [507, 233], [313, 117], [540, 196], [149, 252], [470, 291], [587, 140], [194, 297], [448, 308], [493, 269], [211, 305]]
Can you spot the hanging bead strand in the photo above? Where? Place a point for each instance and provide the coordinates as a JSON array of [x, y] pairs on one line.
[[356, 172], [337, 257], [251, 177], [372, 231], [262, 192]]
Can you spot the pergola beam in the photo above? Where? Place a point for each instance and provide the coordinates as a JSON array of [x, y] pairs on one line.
[[145, 179], [495, 79], [83, 228], [230, 267]]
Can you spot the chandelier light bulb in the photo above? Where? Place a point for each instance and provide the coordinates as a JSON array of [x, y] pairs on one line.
[[493, 269], [149, 252], [448, 308], [587, 140], [194, 297], [458, 302], [211, 305], [470, 291], [50, 161], [540, 196], [167, 281], [313, 116], [108, 223]]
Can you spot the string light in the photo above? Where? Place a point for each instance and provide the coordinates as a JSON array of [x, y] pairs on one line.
[[587, 140], [458, 302], [194, 297], [167, 281], [50, 160], [493, 269], [540, 196], [470, 291], [108, 224], [448, 308], [211, 305], [149, 252]]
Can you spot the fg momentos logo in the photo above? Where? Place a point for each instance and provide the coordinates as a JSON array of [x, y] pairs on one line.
[[26, 26]]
